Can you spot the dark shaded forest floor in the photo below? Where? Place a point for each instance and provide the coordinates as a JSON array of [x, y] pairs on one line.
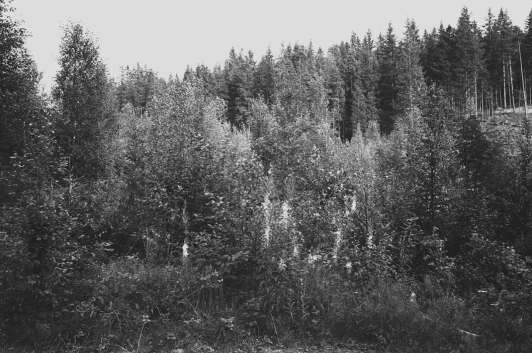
[[300, 348], [244, 347]]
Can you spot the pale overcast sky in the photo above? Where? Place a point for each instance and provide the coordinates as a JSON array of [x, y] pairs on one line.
[[169, 35]]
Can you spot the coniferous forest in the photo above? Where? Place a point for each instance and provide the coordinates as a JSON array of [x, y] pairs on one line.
[[376, 194]]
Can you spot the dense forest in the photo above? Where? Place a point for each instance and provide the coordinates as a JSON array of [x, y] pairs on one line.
[[379, 191]]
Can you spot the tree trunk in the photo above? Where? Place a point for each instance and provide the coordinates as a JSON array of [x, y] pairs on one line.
[[530, 91], [491, 103], [476, 96], [504, 83], [482, 104], [526, 159], [508, 87], [512, 97], [467, 103]]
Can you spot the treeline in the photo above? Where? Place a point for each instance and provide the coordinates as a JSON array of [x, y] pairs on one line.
[[359, 193], [379, 79]]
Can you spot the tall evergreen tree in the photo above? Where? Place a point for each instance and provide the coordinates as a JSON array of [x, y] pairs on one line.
[[366, 101], [436, 58], [263, 83], [335, 87], [526, 52], [137, 87], [506, 48], [489, 46], [447, 45], [345, 56], [468, 66], [410, 81], [299, 85], [387, 82], [238, 81]]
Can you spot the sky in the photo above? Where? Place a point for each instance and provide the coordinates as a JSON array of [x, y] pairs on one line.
[[168, 35]]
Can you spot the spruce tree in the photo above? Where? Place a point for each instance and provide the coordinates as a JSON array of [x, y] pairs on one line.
[[490, 58], [387, 82], [299, 85], [335, 86], [447, 46], [435, 57], [238, 81], [506, 48], [345, 56], [410, 81], [263, 81], [367, 61], [468, 65], [137, 87], [526, 51]]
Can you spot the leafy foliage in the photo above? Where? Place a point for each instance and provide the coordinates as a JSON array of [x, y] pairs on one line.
[[356, 193]]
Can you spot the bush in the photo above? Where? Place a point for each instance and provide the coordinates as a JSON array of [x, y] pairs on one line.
[[47, 271], [163, 300]]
